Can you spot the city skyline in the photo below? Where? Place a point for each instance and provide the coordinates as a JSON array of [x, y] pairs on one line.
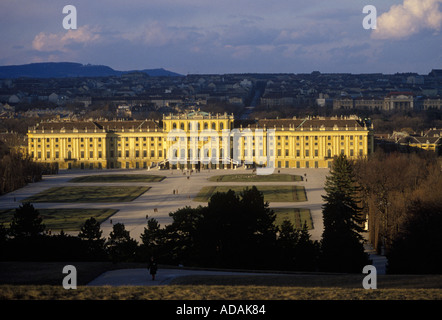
[[196, 36]]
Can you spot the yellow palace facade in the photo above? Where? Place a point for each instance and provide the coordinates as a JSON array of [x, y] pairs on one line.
[[200, 140]]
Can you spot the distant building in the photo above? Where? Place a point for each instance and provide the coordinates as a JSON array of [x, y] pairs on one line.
[[431, 140], [373, 103], [343, 103], [393, 101], [432, 103], [295, 143], [124, 111], [399, 101]]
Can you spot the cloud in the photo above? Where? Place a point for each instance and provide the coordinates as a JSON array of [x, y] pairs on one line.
[[409, 18], [63, 41]]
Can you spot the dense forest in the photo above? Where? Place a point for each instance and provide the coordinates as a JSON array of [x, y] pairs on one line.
[[17, 170], [401, 197]]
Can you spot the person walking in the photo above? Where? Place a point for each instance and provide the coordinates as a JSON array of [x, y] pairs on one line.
[[153, 267]]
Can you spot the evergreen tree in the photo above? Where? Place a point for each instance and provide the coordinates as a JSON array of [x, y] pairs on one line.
[[342, 249], [286, 243], [120, 245], [153, 239], [237, 230], [182, 234], [90, 233], [219, 235], [306, 251], [26, 222]]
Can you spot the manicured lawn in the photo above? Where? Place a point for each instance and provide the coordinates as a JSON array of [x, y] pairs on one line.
[[271, 193], [63, 219], [88, 194], [256, 178], [297, 216], [120, 178]]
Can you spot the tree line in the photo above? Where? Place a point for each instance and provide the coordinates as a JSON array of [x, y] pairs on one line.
[[17, 170], [401, 199]]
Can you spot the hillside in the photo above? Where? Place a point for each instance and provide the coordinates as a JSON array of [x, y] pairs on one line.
[[71, 69]]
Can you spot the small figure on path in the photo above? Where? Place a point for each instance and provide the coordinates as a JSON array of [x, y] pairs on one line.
[[153, 267]]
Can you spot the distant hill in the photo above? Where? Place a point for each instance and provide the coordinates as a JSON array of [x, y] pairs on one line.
[[71, 69]]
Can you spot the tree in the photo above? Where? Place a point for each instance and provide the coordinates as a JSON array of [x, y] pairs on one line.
[[90, 233], [306, 251], [26, 222], [418, 247], [297, 251], [120, 245], [342, 249], [286, 243], [237, 230], [153, 239], [219, 236], [181, 236], [3, 238]]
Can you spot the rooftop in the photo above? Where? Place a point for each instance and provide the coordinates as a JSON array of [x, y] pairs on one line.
[[293, 124]]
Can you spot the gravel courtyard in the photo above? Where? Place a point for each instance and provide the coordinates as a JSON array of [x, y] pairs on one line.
[[176, 191]]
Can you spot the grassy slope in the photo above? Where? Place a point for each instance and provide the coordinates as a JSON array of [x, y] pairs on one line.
[[205, 292]]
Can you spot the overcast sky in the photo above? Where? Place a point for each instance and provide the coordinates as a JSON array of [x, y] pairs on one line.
[[227, 36]]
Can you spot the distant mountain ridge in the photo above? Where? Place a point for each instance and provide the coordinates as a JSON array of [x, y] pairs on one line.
[[71, 70]]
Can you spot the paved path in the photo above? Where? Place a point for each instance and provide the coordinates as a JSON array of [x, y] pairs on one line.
[[160, 196], [141, 277]]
